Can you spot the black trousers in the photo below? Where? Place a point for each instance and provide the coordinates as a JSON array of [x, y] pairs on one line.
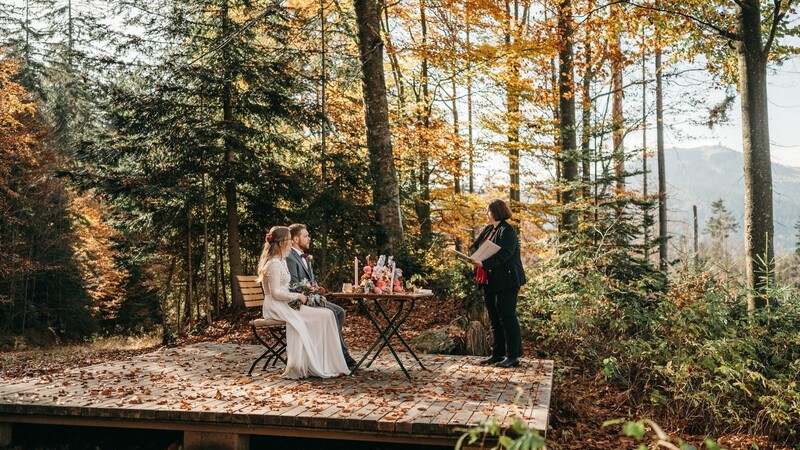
[[502, 308]]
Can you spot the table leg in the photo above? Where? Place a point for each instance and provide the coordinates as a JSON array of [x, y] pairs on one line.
[[383, 337], [381, 332], [389, 327], [387, 339], [396, 330]]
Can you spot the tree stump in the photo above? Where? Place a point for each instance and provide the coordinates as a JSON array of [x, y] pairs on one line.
[[476, 339]]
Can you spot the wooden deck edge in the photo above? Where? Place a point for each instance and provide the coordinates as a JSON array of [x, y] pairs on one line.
[[249, 429]]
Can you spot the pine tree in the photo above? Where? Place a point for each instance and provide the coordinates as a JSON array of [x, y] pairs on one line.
[[797, 237], [204, 137], [719, 226]]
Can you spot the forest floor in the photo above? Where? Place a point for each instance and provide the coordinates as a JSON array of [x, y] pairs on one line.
[[581, 400]]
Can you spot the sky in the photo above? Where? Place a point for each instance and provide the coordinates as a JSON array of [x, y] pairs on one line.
[[783, 90]]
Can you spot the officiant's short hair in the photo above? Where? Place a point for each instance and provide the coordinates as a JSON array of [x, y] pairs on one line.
[[295, 229], [500, 210]]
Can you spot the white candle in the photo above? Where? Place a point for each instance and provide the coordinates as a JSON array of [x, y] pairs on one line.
[[355, 270], [391, 279]]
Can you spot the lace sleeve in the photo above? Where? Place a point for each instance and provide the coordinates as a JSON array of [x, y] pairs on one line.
[[278, 290]]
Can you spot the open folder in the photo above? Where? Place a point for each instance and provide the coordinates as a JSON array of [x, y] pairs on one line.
[[486, 250]]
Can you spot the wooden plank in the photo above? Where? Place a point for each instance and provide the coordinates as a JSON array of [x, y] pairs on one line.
[[440, 424], [331, 408], [335, 416], [200, 384]]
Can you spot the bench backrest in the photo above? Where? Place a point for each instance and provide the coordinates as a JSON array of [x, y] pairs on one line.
[[252, 291]]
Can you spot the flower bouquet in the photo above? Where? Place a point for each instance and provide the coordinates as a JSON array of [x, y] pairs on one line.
[[314, 294], [381, 276]]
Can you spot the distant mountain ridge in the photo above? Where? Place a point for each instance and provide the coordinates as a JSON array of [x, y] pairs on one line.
[[701, 175]]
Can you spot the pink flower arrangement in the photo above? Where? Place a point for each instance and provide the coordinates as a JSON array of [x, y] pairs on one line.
[[381, 276]]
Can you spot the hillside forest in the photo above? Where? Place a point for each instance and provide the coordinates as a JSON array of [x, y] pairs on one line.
[[147, 146]]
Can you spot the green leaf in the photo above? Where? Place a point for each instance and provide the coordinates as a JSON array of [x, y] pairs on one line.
[[634, 429], [611, 422], [505, 441]]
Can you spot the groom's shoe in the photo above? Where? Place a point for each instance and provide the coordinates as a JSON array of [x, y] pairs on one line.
[[491, 361], [350, 361], [508, 362]]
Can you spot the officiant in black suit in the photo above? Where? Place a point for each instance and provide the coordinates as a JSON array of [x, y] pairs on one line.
[[501, 276], [300, 268]]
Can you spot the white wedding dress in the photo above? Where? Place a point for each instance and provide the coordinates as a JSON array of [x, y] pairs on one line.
[[313, 347]]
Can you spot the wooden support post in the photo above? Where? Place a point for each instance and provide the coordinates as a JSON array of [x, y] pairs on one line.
[[5, 434], [198, 440]]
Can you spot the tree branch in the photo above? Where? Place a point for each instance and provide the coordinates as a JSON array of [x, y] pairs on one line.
[[720, 31], [777, 18]]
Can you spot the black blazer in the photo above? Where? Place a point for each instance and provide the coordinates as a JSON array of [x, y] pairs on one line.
[[504, 269], [297, 269]]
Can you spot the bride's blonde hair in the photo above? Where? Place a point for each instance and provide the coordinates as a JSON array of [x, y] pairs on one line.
[[272, 247]]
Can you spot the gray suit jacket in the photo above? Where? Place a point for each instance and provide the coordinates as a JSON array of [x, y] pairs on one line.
[[297, 269]]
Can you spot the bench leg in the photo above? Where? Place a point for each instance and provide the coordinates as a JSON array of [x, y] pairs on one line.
[[279, 348], [199, 440], [253, 366], [274, 352]]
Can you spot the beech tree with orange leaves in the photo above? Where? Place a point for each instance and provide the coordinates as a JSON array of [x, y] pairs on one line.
[[40, 283]]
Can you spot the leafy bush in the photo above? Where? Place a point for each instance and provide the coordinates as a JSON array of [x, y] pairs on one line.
[[524, 437], [691, 351]]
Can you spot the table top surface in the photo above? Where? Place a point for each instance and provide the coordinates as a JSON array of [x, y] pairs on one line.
[[395, 296]]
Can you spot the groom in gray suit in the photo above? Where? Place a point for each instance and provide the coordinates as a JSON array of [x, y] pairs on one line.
[[300, 269]]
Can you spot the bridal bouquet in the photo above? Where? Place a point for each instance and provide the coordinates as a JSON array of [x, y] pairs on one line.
[[314, 294]]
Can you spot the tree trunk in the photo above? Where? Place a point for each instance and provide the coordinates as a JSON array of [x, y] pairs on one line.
[[206, 272], [694, 244], [586, 125], [512, 103], [323, 131], [617, 115], [166, 336], [217, 269], [234, 256], [646, 225], [423, 198], [471, 143], [189, 271], [456, 132], [475, 341], [662, 177], [566, 112], [758, 214], [385, 189]]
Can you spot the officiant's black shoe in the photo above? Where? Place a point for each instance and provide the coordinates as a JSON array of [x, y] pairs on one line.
[[508, 362], [491, 361], [350, 361]]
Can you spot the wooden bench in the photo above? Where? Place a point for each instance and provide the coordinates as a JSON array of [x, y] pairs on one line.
[[270, 333]]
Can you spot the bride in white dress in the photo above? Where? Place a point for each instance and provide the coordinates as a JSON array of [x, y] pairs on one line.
[[313, 347]]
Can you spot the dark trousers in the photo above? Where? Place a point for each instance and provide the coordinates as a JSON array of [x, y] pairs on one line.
[[339, 313], [502, 308]]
